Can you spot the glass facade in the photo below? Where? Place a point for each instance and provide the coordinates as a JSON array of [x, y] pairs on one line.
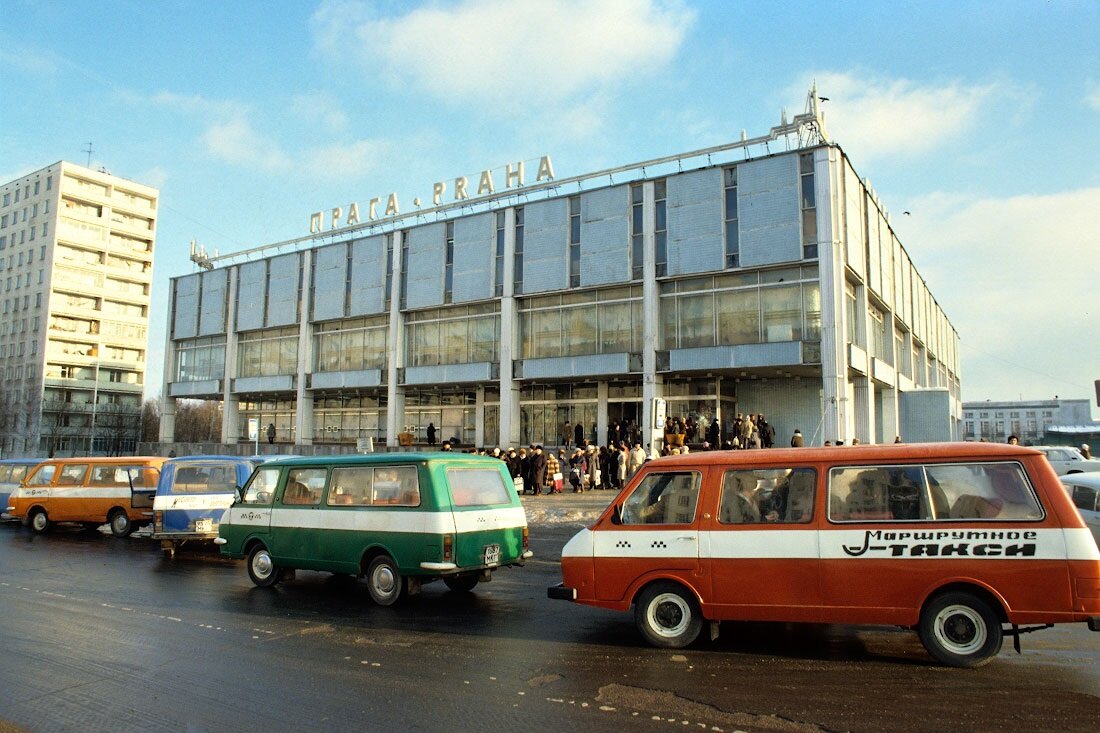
[[743, 308], [350, 345], [200, 359], [457, 335], [268, 353], [576, 324]]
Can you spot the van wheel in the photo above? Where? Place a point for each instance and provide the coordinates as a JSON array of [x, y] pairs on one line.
[[39, 521], [461, 583], [261, 568], [384, 580], [121, 526], [667, 615], [960, 630]]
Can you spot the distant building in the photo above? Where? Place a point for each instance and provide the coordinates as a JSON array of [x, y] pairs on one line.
[[1029, 420], [757, 276], [76, 259]]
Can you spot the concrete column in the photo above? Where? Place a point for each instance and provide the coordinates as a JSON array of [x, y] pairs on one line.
[[395, 352], [889, 427], [230, 423], [601, 413], [509, 340], [834, 342], [652, 383], [479, 417], [168, 404], [303, 415]]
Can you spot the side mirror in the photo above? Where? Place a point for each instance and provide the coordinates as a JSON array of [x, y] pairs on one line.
[[236, 496]]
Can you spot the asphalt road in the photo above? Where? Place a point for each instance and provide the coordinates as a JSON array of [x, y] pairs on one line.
[[103, 634]]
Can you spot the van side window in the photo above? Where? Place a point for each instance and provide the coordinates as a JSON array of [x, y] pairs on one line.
[[396, 486], [18, 472], [43, 476], [304, 486], [260, 489], [478, 487], [878, 493], [116, 476], [351, 486], [985, 491], [5, 473], [767, 495], [1086, 498], [663, 498], [73, 473]]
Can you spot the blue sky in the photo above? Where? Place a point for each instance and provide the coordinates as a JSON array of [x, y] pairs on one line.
[[977, 117]]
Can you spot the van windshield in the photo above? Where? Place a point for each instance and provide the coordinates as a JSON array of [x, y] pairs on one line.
[[478, 487]]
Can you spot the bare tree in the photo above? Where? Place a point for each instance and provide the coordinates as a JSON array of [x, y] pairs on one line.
[[117, 428], [198, 421], [150, 420]]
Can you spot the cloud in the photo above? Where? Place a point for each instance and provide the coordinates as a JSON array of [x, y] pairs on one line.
[[345, 161], [320, 109], [872, 117], [19, 59], [1092, 95], [235, 141], [1015, 277], [501, 50]]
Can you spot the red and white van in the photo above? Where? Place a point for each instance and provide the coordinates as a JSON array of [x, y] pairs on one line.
[[963, 542]]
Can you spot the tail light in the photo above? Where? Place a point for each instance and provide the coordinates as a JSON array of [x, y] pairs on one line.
[[158, 521], [448, 547]]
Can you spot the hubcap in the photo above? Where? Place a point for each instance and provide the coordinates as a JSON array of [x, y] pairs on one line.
[[40, 521], [261, 565], [384, 580], [960, 629], [669, 615]]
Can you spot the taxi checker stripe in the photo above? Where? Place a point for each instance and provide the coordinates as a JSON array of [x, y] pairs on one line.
[[807, 544], [396, 520]]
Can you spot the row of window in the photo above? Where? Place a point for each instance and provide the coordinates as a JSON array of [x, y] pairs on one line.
[[28, 212], [933, 492], [22, 237], [25, 191]]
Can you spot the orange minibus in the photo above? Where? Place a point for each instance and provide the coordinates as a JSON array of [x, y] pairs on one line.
[[962, 542], [88, 491]]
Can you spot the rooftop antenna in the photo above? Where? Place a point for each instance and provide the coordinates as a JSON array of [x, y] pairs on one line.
[[89, 152]]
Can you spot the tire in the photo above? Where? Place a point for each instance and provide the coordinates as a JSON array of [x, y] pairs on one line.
[[262, 570], [121, 526], [39, 521], [960, 629], [461, 583], [384, 581], [667, 615]]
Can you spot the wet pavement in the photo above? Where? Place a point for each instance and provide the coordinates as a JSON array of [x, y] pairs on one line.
[[100, 633]]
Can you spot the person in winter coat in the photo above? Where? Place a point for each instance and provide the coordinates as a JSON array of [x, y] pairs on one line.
[[577, 469], [552, 467], [538, 471]]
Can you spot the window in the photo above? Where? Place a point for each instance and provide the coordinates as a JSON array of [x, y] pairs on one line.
[[809, 206], [934, 492], [73, 474], [404, 269], [663, 498], [478, 487], [637, 256], [498, 262], [660, 237], [517, 257], [43, 476], [449, 263], [260, 489], [304, 486], [733, 242], [767, 495], [574, 241], [389, 271]]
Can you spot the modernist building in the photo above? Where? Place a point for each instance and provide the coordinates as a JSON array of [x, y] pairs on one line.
[[1028, 420], [76, 255], [758, 276]]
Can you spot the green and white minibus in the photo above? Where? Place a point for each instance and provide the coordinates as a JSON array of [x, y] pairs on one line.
[[397, 519]]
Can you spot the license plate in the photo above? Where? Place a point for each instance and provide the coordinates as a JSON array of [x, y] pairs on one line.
[[492, 554], [204, 525]]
